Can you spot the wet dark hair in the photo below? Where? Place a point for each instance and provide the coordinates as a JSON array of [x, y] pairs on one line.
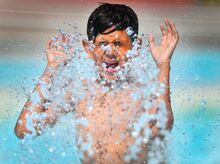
[[109, 15]]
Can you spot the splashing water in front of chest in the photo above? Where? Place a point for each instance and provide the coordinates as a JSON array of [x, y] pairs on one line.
[[101, 114]]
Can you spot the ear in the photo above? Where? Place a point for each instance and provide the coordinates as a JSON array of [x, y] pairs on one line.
[[139, 41], [87, 48]]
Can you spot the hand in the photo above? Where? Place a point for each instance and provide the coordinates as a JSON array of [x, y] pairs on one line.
[[57, 49], [162, 53]]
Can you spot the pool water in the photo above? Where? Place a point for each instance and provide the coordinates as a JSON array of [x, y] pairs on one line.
[[195, 88]]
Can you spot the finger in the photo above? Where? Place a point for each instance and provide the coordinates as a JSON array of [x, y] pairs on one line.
[[168, 26], [52, 42], [54, 45], [151, 41], [63, 38], [49, 43], [67, 38], [174, 30], [162, 28], [63, 42]]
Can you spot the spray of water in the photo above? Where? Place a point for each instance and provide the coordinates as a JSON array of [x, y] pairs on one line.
[[78, 77]]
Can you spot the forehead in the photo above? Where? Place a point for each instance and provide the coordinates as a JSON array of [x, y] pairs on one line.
[[115, 35]]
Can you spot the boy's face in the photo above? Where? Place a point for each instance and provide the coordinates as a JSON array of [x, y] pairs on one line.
[[109, 52]]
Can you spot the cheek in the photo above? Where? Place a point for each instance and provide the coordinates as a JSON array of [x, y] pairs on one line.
[[97, 55], [122, 52]]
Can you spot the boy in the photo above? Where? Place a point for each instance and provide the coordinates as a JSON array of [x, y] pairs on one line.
[[106, 27]]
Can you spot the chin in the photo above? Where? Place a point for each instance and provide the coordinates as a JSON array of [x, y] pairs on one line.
[[108, 74], [109, 77]]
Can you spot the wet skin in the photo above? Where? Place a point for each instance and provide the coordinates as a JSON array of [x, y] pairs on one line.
[[109, 118], [110, 50], [111, 114], [108, 125]]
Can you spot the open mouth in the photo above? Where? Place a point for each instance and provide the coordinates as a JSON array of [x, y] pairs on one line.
[[111, 67]]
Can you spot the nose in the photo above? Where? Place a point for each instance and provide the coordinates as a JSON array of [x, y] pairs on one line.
[[111, 52]]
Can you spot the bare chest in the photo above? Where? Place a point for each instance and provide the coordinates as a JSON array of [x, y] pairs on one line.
[[108, 116]]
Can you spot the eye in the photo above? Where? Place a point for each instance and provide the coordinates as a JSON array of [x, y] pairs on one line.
[[117, 43], [103, 43]]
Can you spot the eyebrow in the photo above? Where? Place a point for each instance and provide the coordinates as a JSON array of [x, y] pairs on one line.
[[117, 27], [102, 39]]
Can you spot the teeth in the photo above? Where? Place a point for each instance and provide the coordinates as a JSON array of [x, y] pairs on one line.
[[113, 65], [110, 65]]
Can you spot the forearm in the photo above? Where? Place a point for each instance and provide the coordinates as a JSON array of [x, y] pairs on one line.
[[164, 77], [162, 54], [34, 107], [38, 103]]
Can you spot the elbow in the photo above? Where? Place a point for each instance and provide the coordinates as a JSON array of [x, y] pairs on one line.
[[170, 118], [170, 121], [20, 128], [19, 132]]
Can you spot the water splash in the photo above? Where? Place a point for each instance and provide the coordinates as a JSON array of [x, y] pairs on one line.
[[79, 80]]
